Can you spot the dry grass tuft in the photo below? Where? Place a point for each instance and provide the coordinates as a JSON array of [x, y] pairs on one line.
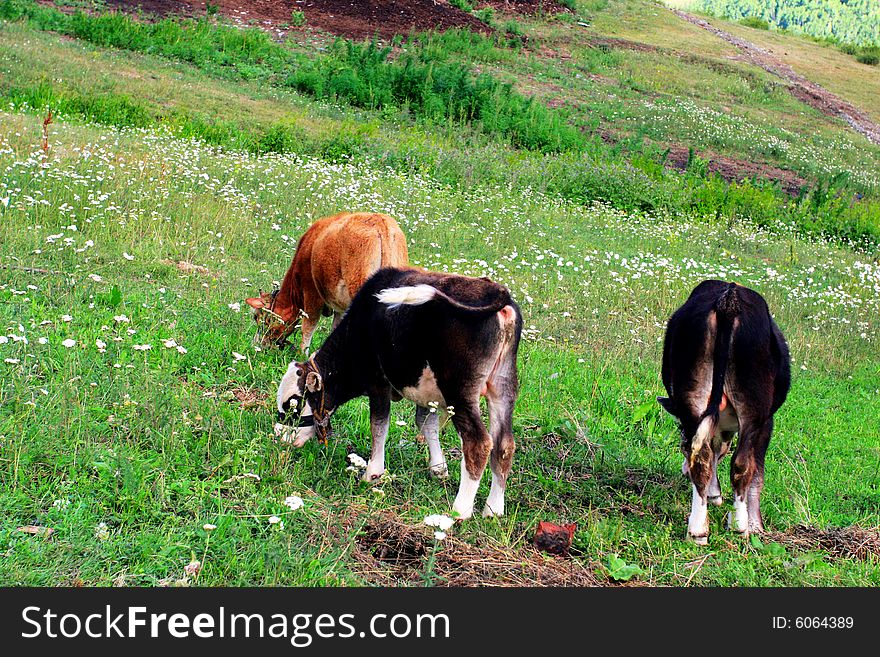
[[840, 542]]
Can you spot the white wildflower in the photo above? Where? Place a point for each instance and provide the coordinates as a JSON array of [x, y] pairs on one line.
[[142, 347], [66, 318], [356, 461], [235, 307], [208, 527], [170, 343], [440, 521], [121, 319], [237, 356], [293, 502], [127, 256], [102, 532], [69, 343]]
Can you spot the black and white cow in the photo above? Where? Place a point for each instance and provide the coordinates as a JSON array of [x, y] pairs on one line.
[[432, 338], [726, 370]]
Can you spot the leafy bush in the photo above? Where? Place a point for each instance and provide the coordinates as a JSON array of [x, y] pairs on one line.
[[870, 56], [297, 18], [755, 22]]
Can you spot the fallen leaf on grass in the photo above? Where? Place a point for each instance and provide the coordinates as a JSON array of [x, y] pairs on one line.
[[37, 530]]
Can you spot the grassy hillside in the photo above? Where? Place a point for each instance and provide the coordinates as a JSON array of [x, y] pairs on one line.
[[156, 419]]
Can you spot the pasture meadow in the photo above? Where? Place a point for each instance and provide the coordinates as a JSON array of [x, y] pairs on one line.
[[136, 414]]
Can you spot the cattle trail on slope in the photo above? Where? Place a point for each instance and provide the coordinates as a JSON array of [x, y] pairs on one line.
[[800, 87]]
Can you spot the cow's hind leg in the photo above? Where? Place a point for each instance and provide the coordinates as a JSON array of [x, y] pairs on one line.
[[500, 399], [429, 426], [747, 475], [476, 445]]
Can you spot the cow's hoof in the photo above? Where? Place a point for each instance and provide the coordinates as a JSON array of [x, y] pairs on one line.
[[488, 512], [370, 477], [717, 500], [699, 540], [440, 471], [732, 526], [462, 514]]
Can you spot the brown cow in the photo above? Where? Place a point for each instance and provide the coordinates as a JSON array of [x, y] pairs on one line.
[[334, 257]]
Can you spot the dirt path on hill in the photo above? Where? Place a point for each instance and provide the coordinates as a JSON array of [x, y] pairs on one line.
[[800, 87]]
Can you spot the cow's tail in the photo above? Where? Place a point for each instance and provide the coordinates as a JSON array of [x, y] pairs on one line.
[[727, 308], [416, 295]]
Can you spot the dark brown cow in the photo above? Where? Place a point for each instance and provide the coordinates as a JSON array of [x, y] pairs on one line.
[[333, 259], [436, 339], [726, 370]]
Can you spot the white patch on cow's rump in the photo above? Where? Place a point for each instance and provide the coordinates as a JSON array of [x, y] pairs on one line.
[[425, 391], [411, 295]]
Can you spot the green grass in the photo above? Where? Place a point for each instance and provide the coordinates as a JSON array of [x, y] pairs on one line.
[[153, 447], [155, 160]]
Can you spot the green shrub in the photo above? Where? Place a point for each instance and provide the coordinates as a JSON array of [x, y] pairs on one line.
[[464, 5], [297, 18], [870, 56], [755, 22]]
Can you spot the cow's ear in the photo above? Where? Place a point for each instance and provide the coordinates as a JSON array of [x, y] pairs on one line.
[[254, 302], [314, 382], [667, 404]]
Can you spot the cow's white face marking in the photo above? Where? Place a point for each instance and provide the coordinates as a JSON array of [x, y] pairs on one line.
[[698, 522], [425, 391], [289, 390]]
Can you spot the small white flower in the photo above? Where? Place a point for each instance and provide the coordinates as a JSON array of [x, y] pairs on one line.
[[208, 527], [439, 535], [61, 504], [69, 343], [193, 567], [43, 340], [127, 256], [66, 318], [169, 343], [142, 347], [11, 361], [293, 502], [101, 345], [3, 339], [102, 532], [5, 201], [440, 521], [400, 423], [121, 319], [235, 307], [96, 278], [356, 461], [181, 350], [274, 520], [237, 356]]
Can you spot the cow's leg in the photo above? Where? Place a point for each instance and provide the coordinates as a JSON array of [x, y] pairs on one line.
[[311, 316], [380, 419], [747, 475], [476, 445], [700, 472], [714, 493], [429, 427], [337, 317], [500, 401]]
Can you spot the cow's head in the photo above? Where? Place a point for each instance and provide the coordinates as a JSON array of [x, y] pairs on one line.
[[272, 328], [302, 412]]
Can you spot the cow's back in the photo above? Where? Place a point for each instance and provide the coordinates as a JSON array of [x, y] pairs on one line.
[[351, 247]]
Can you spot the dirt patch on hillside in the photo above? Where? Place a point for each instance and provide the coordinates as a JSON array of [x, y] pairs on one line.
[[530, 7], [734, 170], [808, 92], [391, 552], [357, 19], [839, 542]]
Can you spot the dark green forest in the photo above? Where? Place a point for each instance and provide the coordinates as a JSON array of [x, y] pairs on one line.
[[846, 21]]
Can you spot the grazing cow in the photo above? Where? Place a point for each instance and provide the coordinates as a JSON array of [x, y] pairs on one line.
[[333, 259], [436, 339], [726, 370]]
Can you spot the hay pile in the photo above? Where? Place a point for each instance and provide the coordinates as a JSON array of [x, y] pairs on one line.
[[391, 553], [839, 542]]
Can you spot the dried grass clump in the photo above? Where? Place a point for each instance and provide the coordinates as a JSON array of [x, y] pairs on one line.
[[840, 542], [390, 552]]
